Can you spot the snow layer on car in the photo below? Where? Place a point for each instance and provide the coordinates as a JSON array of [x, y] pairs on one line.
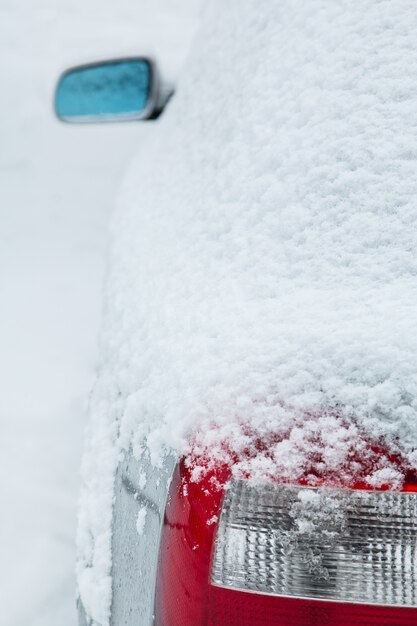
[[263, 273]]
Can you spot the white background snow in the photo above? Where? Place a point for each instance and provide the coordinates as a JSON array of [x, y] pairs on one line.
[[57, 185]]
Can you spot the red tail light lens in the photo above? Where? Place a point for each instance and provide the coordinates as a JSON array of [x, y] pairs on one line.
[[189, 529], [285, 555], [233, 608]]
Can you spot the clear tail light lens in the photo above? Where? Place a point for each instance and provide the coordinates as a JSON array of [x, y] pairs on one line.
[[237, 554], [324, 544]]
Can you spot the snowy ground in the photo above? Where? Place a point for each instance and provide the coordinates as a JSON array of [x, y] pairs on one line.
[[57, 185]]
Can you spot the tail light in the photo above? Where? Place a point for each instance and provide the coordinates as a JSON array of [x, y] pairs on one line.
[[235, 553]]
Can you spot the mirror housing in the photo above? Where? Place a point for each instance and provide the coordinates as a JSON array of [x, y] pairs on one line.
[[110, 91]]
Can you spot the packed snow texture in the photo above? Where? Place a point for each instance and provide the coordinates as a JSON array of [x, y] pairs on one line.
[[263, 274]]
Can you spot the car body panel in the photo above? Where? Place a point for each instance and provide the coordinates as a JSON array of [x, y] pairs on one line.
[[140, 489]]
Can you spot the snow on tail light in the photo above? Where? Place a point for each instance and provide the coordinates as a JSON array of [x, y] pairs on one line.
[[235, 553]]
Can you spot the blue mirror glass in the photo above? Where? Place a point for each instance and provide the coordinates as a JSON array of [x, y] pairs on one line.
[[109, 91]]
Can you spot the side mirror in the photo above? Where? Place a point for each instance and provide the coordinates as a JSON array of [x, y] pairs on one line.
[[110, 91]]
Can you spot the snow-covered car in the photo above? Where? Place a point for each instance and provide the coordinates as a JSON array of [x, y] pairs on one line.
[[251, 455]]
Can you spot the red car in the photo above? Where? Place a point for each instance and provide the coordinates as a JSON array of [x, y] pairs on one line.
[[251, 458]]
